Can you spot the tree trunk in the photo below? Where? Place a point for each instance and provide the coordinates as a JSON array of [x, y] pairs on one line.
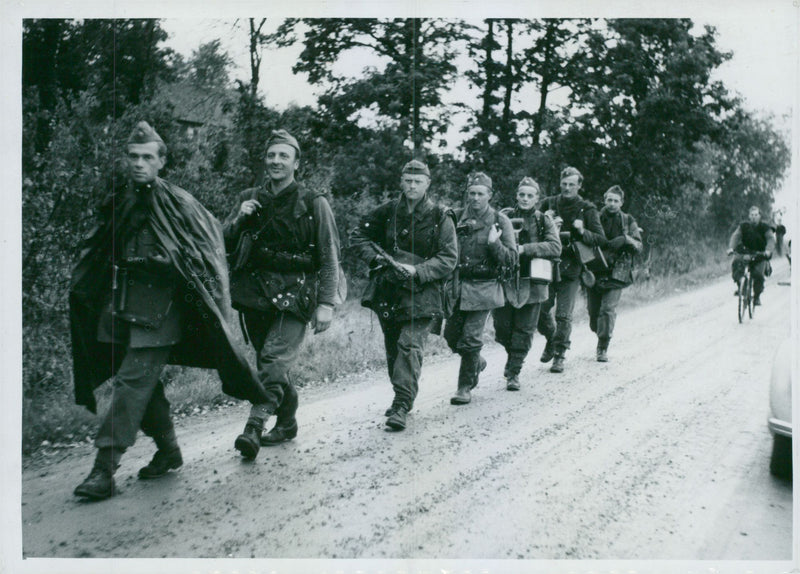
[[505, 126], [416, 103], [255, 56], [549, 52]]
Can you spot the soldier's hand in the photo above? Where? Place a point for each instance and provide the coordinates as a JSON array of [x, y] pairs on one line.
[[494, 233], [159, 261], [729, 251], [617, 242], [249, 207], [323, 315], [412, 271], [578, 225]]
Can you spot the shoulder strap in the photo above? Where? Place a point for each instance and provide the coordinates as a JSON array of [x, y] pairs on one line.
[[539, 216]]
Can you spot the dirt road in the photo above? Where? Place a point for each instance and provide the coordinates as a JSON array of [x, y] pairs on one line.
[[661, 453]]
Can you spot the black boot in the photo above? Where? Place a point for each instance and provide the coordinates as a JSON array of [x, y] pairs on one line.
[[558, 364], [281, 432], [602, 351], [547, 354], [467, 377], [167, 457], [462, 396], [99, 485], [512, 383], [249, 442], [397, 420]]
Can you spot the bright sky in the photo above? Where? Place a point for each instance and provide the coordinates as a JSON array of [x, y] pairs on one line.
[[764, 47]]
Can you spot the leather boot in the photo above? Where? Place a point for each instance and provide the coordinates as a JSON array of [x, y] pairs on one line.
[[512, 383], [602, 351], [558, 364], [249, 442], [397, 420], [462, 396], [99, 485], [547, 354], [281, 432]]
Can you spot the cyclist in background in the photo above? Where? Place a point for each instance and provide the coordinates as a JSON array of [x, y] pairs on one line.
[[755, 237]]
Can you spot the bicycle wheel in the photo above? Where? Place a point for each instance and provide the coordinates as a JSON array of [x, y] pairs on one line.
[[750, 297], [742, 297]]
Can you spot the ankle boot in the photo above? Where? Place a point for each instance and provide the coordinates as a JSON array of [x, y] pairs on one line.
[[602, 351], [99, 485], [558, 364], [462, 396], [167, 457], [249, 442], [547, 354]]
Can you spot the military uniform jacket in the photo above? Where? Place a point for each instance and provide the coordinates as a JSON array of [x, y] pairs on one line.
[[191, 238], [536, 243], [154, 295], [617, 225], [425, 238], [482, 266], [569, 210], [294, 222], [753, 236]]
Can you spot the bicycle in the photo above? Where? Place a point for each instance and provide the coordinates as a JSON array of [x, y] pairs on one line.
[[745, 299]]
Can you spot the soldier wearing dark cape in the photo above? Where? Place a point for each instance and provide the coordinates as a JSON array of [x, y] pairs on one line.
[[150, 288]]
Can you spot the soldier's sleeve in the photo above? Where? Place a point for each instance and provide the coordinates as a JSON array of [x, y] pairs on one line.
[[327, 251], [446, 258], [593, 233], [233, 226], [504, 251], [736, 238], [370, 228], [634, 233], [550, 248]]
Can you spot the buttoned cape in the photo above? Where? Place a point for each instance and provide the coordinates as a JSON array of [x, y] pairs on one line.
[[192, 239]]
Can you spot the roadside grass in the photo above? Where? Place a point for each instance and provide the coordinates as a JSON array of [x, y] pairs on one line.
[[352, 344]]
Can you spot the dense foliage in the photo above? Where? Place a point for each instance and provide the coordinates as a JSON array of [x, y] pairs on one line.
[[628, 102]]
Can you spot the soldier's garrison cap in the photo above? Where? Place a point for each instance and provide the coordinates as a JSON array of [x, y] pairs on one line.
[[528, 182], [568, 171], [416, 167], [143, 133], [479, 178], [283, 137]]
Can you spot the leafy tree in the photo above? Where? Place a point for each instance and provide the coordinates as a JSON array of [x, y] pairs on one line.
[[418, 56]]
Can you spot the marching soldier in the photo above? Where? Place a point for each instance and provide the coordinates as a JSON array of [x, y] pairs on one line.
[[623, 240], [487, 254], [284, 251], [410, 245], [577, 220], [515, 322], [150, 288]]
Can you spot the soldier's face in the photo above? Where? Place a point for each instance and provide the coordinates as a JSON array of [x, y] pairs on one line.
[[281, 161], [754, 216], [144, 162], [613, 202], [414, 185], [570, 186], [478, 197], [527, 197]]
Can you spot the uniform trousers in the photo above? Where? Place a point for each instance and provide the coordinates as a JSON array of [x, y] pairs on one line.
[[557, 331], [756, 272], [602, 307], [137, 400], [276, 337], [405, 347], [514, 329]]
